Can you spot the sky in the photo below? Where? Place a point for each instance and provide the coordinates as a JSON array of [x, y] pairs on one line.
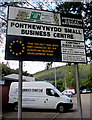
[[32, 66]]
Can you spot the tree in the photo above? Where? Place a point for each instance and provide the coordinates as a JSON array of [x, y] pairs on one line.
[[70, 77], [84, 9], [48, 65], [7, 70], [89, 81], [60, 85]]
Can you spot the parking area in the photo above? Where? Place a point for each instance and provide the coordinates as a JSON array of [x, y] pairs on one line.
[[53, 114]]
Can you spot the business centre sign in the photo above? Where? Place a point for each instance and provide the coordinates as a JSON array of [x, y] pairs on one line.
[[44, 31], [29, 39]]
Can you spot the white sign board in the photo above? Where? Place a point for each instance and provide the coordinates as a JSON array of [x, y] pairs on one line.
[[73, 44], [44, 31], [30, 15], [73, 51], [73, 58]]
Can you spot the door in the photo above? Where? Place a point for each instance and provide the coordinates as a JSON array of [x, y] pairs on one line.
[[51, 99]]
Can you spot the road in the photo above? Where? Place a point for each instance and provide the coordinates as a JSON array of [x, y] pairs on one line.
[[53, 114]]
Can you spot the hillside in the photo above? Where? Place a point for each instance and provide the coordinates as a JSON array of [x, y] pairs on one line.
[[65, 73]]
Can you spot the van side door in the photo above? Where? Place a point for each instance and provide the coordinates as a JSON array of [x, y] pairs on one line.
[[51, 98]]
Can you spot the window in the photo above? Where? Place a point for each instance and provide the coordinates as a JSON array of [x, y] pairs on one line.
[[51, 92]]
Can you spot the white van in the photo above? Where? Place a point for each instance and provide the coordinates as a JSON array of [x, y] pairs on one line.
[[39, 95]]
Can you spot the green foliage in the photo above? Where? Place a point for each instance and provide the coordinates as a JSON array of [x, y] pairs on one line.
[[67, 73], [70, 7], [60, 85], [62, 73], [6, 70], [89, 82], [89, 79]]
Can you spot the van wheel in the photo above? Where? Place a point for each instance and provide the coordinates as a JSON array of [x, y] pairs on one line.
[[16, 107], [61, 108]]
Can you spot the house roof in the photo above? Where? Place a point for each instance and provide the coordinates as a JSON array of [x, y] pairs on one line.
[[15, 77]]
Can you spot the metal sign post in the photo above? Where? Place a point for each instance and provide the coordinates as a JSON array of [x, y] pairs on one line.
[[58, 41], [20, 92], [55, 77], [78, 91]]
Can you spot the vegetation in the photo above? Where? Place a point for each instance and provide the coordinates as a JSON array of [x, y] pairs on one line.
[[67, 73], [5, 70], [63, 73]]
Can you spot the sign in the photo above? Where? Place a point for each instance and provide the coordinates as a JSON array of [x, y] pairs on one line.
[[71, 20], [44, 31], [73, 58], [24, 48], [73, 44], [44, 36], [73, 51], [30, 15]]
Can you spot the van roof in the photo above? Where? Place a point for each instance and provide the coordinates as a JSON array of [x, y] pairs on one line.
[[32, 84]]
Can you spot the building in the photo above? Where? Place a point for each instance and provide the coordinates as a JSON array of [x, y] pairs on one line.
[[5, 85]]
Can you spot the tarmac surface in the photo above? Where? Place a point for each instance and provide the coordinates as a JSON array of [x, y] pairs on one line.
[[31, 114]]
